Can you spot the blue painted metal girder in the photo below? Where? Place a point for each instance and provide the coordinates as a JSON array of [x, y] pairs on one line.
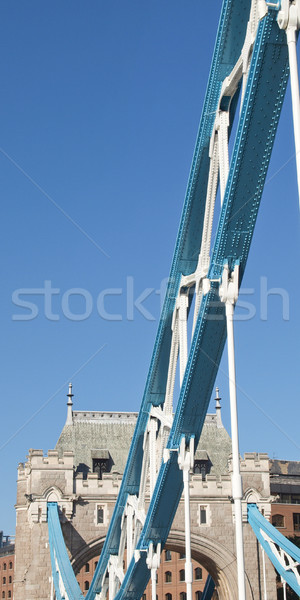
[[54, 570], [58, 550], [258, 524], [255, 136], [208, 588], [230, 38]]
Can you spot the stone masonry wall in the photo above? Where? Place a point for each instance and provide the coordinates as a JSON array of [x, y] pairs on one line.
[[51, 478]]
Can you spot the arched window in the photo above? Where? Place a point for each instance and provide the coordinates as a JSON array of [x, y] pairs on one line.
[[4, 580], [278, 520], [198, 595], [95, 564], [10, 565], [198, 573], [144, 597], [87, 568], [9, 579], [181, 575], [4, 566], [182, 595], [168, 555], [168, 596], [86, 585], [168, 576], [3, 594]]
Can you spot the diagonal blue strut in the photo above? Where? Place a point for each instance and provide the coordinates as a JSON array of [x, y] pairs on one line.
[[260, 525], [209, 588], [230, 37], [251, 154], [62, 570]]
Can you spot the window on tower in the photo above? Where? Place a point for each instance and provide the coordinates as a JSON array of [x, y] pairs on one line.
[[100, 514], [100, 466]]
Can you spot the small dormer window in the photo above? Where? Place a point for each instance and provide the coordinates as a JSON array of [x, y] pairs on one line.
[[202, 464], [100, 466], [200, 468], [101, 461]]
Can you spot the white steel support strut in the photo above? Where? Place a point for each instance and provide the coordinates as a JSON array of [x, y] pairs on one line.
[[129, 522], [264, 574], [51, 588], [182, 316], [153, 562], [291, 40], [152, 427], [289, 19], [223, 122], [229, 295], [284, 588], [186, 462]]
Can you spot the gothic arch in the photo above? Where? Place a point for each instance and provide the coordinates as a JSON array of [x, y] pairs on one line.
[[216, 559], [91, 550], [52, 494], [213, 556], [252, 495]]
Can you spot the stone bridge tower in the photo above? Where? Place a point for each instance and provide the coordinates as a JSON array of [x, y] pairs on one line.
[[83, 474]]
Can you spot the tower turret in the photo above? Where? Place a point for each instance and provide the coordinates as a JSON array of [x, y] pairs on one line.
[[69, 420]]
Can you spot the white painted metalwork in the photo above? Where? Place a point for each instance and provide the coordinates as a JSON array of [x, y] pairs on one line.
[[153, 562], [258, 10], [286, 561], [61, 586], [289, 19], [264, 574], [284, 588], [183, 343], [104, 587], [51, 588], [116, 573], [223, 124], [161, 418], [186, 463], [133, 519], [229, 295]]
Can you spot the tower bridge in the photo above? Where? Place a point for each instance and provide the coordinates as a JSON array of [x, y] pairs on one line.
[[82, 497], [86, 497]]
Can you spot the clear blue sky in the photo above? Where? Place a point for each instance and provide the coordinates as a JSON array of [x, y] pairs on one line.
[[99, 109]]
